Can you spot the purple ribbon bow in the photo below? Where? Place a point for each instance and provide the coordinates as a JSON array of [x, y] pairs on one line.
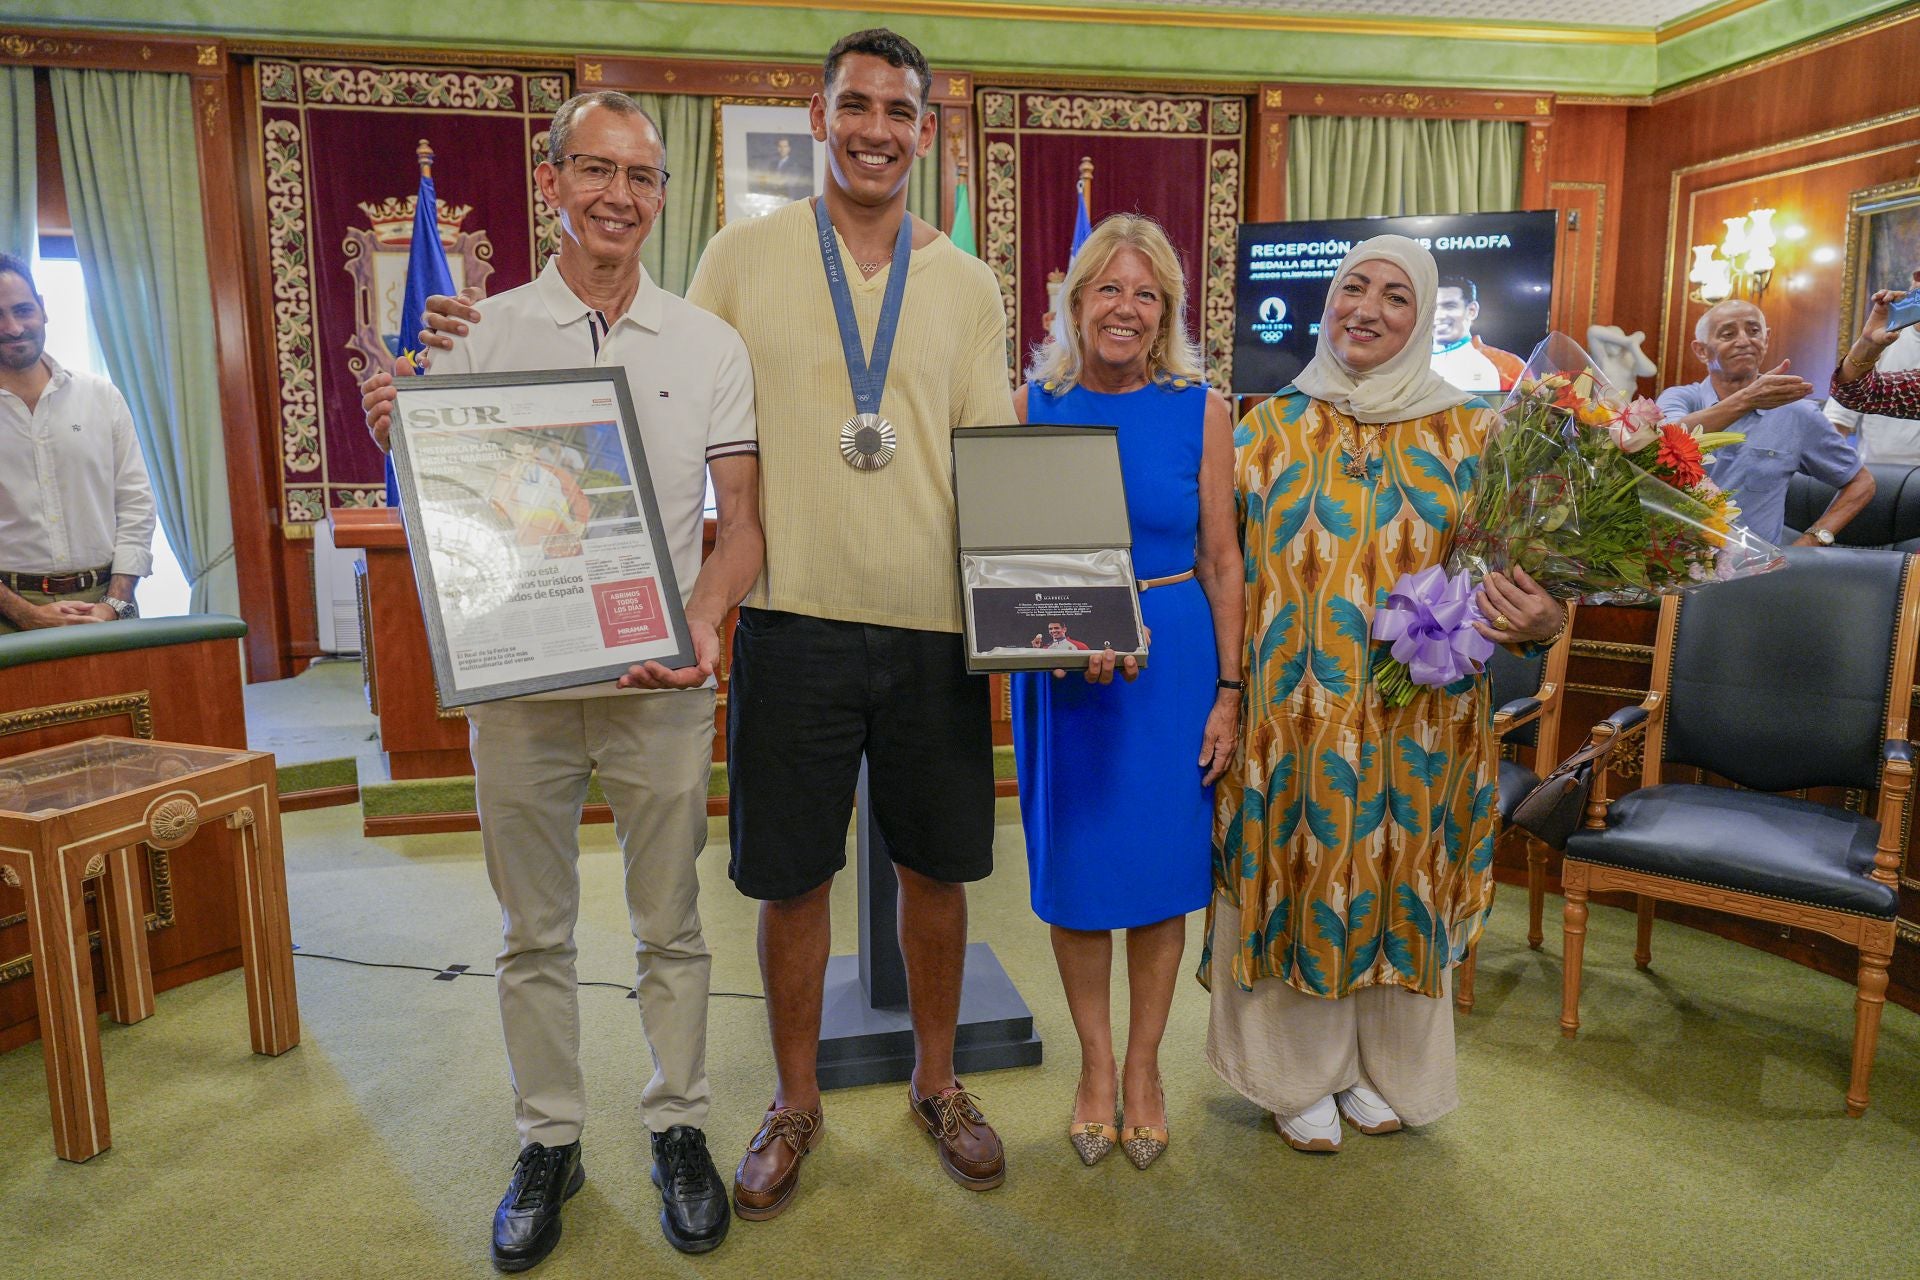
[[1428, 620]]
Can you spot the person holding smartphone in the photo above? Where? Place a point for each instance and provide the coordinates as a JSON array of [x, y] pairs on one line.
[[1858, 383]]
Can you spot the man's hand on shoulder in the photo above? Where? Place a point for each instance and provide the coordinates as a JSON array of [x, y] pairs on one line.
[[448, 318]]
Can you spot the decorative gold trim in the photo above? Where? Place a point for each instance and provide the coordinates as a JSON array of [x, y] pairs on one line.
[[1143, 83], [1130, 16], [136, 706], [159, 879], [171, 820], [1612, 651], [241, 817], [720, 143], [1607, 691], [1669, 331], [9, 877], [1599, 247], [1907, 929], [1779, 56], [1704, 18], [390, 53], [1857, 210]]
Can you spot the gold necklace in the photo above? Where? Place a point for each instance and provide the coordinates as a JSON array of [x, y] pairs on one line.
[[1360, 451]]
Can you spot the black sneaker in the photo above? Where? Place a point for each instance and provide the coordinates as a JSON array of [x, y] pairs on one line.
[[694, 1213], [526, 1226]]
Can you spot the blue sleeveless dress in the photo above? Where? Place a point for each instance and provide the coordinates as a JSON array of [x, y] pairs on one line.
[[1119, 829]]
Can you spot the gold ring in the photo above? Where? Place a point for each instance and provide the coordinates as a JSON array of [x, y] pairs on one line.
[[1501, 623]]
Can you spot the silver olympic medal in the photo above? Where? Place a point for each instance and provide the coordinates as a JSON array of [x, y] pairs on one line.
[[868, 442]]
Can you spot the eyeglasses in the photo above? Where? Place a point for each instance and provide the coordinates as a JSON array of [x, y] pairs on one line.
[[596, 173]]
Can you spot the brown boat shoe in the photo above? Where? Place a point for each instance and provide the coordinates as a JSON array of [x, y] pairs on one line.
[[769, 1172], [970, 1150]]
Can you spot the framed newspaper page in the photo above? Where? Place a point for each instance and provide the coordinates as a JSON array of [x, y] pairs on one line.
[[536, 538]]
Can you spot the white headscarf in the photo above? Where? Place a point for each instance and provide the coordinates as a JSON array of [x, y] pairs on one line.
[[1405, 385]]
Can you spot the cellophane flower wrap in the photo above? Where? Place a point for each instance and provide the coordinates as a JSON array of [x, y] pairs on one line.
[[1594, 495]]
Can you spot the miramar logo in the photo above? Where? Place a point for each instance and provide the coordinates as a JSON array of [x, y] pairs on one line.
[[1272, 324]]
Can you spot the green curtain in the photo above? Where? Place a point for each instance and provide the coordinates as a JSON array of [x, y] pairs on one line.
[[692, 213], [1366, 166], [19, 190], [923, 187], [128, 153]]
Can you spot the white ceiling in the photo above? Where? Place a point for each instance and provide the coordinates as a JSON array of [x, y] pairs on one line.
[[1643, 14]]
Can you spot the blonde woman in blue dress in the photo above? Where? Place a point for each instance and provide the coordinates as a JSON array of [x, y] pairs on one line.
[[1116, 780]]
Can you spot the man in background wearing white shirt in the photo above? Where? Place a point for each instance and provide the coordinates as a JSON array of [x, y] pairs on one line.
[[76, 508]]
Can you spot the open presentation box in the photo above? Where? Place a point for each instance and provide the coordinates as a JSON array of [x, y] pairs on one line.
[[1046, 559]]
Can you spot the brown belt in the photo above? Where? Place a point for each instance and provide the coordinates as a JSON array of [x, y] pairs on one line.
[[56, 584], [1148, 584]]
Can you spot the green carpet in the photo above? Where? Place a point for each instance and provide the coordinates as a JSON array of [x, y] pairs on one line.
[[1695, 1128]]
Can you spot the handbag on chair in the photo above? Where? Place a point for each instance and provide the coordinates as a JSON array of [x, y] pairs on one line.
[[1552, 810]]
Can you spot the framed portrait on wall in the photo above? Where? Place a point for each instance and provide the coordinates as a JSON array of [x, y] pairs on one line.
[[1883, 245], [768, 157]]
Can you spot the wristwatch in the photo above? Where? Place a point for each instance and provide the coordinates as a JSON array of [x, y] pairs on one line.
[[1822, 536], [124, 609]]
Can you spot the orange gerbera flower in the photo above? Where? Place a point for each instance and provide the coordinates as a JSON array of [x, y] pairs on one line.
[[1680, 455]]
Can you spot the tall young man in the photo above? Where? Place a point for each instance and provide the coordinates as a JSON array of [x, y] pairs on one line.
[[872, 337]]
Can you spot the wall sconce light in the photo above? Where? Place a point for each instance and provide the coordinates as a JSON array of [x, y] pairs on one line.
[[1741, 265]]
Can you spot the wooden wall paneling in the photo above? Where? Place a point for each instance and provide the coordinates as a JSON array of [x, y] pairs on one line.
[[1838, 82], [1585, 175], [1808, 182], [238, 347], [1266, 190]]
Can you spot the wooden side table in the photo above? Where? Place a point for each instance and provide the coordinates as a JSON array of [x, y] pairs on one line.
[[76, 812]]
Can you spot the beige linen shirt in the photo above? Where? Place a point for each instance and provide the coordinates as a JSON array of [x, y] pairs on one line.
[[858, 546]]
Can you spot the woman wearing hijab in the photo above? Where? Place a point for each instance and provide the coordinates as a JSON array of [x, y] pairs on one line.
[[1353, 841]]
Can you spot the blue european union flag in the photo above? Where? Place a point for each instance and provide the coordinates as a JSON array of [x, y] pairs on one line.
[[1082, 225], [427, 274]]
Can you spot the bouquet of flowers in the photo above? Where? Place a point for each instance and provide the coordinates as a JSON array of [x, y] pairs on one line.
[[1594, 494]]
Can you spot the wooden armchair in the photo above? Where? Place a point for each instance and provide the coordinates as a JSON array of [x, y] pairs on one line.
[[1528, 694], [1794, 679]]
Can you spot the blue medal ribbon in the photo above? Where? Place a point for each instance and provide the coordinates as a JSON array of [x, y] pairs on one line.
[[869, 377]]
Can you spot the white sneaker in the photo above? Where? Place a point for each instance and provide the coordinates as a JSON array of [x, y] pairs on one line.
[[1367, 1111], [1315, 1129]]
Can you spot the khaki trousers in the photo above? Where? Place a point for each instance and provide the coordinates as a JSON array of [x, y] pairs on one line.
[[531, 762], [92, 595], [1285, 1050]]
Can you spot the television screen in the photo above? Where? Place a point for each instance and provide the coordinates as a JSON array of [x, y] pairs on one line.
[[1496, 293]]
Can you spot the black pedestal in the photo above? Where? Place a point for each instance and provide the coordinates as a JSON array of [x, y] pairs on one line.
[[866, 1035]]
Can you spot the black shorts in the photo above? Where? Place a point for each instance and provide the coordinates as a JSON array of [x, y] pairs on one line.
[[809, 697]]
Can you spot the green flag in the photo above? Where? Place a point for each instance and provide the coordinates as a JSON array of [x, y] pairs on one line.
[[962, 233]]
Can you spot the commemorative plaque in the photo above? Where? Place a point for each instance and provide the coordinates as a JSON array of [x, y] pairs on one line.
[[1046, 561], [537, 544]]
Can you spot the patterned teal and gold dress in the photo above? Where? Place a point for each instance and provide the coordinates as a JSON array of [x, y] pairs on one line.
[[1353, 842]]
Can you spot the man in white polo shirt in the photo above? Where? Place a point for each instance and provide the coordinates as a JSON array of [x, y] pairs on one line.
[[692, 385]]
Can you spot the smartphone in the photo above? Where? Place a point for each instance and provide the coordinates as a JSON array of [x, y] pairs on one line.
[[1904, 312]]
